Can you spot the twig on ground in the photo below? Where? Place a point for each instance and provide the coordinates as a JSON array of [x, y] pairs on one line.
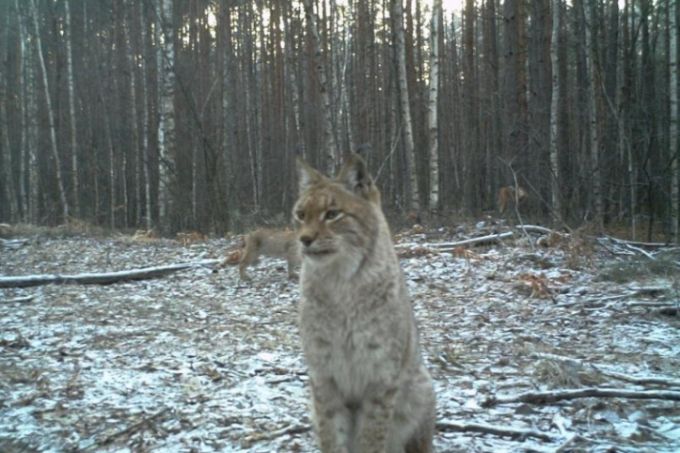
[[641, 251], [538, 229], [450, 246], [513, 433], [13, 243], [639, 380], [636, 243], [286, 430], [567, 443], [22, 299], [649, 380], [569, 394], [131, 429]]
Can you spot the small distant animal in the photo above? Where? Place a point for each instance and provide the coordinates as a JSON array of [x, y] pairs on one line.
[[508, 197], [270, 242], [190, 237]]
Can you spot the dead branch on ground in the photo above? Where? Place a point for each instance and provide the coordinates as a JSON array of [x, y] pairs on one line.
[[493, 430], [105, 278], [129, 430], [648, 380], [287, 430], [569, 394], [451, 246]]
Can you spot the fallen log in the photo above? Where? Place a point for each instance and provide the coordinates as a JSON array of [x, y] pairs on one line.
[[105, 278], [569, 394]]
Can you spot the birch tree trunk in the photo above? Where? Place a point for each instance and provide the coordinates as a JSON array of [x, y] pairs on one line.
[[330, 144], [674, 153], [413, 194], [345, 112], [50, 114], [432, 129], [594, 143], [555, 113], [291, 74], [5, 146], [166, 113], [68, 37]]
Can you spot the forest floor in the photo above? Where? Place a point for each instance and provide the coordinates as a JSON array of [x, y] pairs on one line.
[[584, 332]]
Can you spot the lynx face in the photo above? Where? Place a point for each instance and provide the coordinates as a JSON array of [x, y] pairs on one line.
[[336, 218]]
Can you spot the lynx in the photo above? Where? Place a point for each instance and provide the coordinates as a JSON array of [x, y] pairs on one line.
[[507, 197], [269, 242], [370, 389]]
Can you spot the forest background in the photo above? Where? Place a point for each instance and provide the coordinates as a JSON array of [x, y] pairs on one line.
[[188, 115]]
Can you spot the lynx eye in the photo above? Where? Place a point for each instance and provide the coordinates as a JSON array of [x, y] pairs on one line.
[[300, 215], [332, 214]]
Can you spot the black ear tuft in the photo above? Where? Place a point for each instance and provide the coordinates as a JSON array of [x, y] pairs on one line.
[[354, 175], [307, 176]]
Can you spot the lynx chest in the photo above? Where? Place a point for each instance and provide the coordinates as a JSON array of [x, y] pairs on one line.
[[356, 339]]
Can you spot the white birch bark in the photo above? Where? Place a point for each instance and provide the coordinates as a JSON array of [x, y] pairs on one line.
[[555, 113], [432, 128], [166, 111], [344, 105], [72, 110], [291, 74], [50, 114], [397, 12], [674, 119], [330, 145]]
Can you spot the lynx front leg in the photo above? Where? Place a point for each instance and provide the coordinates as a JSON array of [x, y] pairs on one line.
[[291, 269], [332, 419], [249, 257], [376, 421]]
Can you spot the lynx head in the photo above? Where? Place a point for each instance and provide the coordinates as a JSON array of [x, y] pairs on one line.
[[337, 217]]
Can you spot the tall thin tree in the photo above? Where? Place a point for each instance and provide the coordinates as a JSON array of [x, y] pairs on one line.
[[397, 16], [8, 186], [166, 113], [588, 17], [432, 127], [674, 152], [555, 113], [330, 143], [75, 158], [50, 113]]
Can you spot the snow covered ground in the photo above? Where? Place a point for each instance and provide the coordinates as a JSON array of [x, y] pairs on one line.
[[199, 361]]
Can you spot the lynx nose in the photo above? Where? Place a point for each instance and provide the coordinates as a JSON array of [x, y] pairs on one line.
[[307, 239]]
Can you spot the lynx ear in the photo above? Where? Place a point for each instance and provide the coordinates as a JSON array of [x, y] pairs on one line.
[[354, 175], [307, 176]]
